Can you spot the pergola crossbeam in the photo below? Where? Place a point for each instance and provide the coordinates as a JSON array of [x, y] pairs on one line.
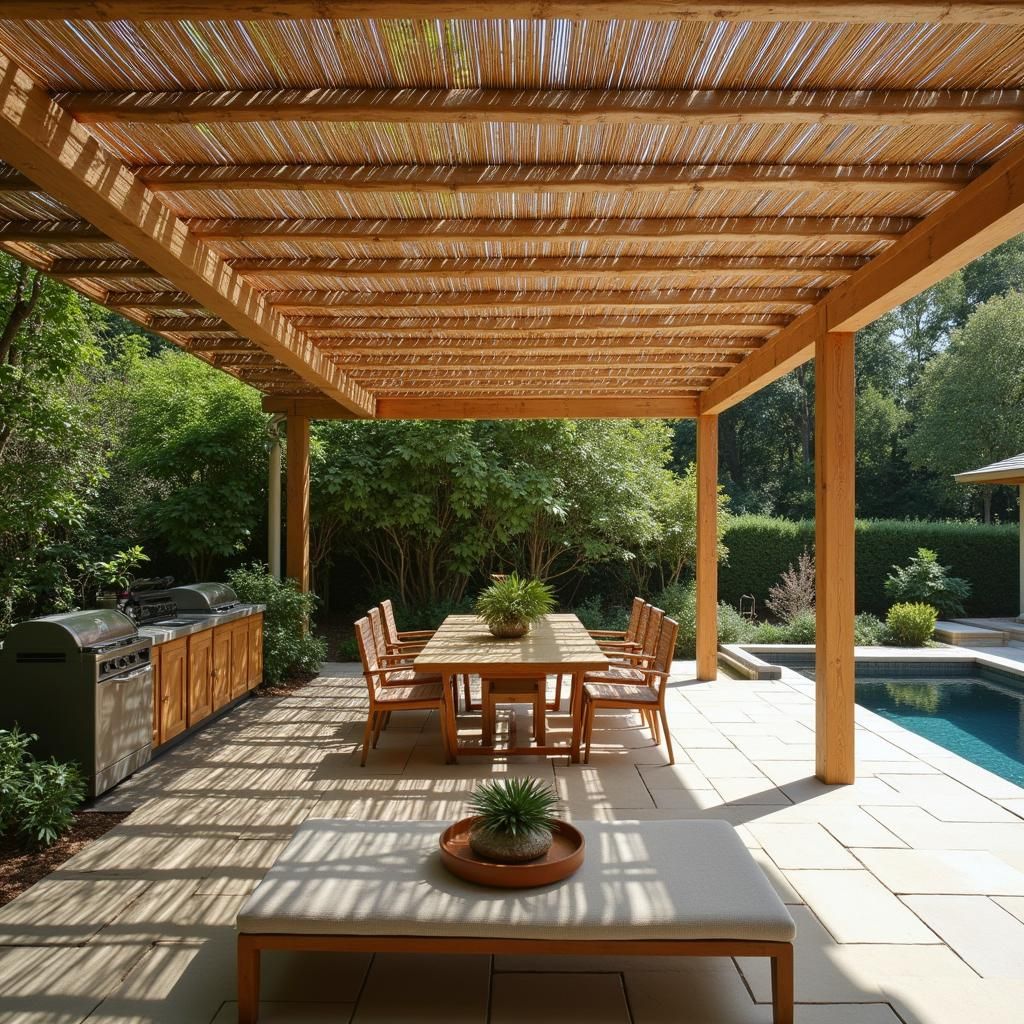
[[676, 107], [43, 142]]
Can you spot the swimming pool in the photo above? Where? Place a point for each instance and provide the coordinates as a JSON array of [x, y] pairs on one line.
[[980, 720]]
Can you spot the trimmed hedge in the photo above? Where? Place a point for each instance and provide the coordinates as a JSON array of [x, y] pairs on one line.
[[760, 548]]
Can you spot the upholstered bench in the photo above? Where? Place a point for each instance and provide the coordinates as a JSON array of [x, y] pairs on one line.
[[650, 888]]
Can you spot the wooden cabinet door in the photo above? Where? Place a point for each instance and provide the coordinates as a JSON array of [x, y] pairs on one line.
[[200, 676], [255, 650], [173, 689], [239, 658], [221, 666], [154, 660]]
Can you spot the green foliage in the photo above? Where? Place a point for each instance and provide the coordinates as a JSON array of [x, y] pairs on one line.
[[348, 650], [287, 647], [925, 580], [37, 798], [514, 807], [193, 447], [972, 395], [911, 624], [514, 600], [114, 573], [595, 613], [679, 602], [760, 548], [869, 630]]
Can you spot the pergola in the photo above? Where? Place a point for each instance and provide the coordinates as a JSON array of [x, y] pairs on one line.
[[1008, 472], [393, 210]]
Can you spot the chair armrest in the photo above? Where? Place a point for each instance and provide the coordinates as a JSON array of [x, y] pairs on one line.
[[632, 658], [397, 659], [606, 632], [416, 632]]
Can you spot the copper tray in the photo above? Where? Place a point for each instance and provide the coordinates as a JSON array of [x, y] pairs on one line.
[[562, 860]]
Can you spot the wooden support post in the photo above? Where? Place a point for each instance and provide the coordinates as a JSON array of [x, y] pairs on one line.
[[834, 517], [298, 501], [707, 547]]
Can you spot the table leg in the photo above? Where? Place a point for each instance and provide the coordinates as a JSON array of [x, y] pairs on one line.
[[248, 981], [450, 698], [486, 714], [576, 704]]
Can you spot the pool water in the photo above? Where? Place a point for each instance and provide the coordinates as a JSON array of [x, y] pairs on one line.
[[981, 723]]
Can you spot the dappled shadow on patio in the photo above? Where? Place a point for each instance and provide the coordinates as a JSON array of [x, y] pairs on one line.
[[139, 926]]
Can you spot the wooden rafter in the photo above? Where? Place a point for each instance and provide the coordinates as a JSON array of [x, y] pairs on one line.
[[918, 179], [447, 303], [828, 11], [987, 212], [45, 143], [651, 229], [611, 268], [54, 232], [104, 269], [698, 108]]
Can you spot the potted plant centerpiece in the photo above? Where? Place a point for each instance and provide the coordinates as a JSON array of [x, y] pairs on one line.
[[511, 604], [513, 820]]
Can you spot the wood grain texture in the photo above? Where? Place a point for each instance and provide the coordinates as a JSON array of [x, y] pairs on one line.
[[297, 522], [834, 466], [707, 547]]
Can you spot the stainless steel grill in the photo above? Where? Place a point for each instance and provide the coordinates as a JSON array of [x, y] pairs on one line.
[[83, 683], [204, 598]]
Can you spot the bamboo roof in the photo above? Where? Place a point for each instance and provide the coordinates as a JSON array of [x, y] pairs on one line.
[[634, 206]]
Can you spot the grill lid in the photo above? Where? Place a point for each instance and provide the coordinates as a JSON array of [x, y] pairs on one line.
[[70, 632], [203, 597]]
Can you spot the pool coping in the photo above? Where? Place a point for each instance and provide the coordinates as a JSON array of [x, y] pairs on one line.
[[745, 659]]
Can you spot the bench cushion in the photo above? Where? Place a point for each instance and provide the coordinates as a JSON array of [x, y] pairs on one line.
[[640, 880]]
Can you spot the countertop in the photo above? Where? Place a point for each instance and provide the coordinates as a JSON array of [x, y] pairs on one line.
[[195, 622]]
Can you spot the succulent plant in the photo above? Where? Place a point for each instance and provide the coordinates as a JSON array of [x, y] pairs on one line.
[[514, 807]]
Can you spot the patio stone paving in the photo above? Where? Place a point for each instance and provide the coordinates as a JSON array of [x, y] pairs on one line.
[[907, 887]]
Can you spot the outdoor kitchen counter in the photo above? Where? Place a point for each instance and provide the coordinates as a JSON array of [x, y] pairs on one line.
[[197, 623]]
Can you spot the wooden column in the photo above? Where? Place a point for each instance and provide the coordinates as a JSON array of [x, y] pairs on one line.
[[707, 547], [834, 517], [298, 501]]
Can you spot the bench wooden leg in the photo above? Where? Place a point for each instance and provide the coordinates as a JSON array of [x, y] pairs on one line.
[[248, 981], [782, 987]]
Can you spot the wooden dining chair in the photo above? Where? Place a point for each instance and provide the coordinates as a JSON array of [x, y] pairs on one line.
[[393, 689], [646, 696], [628, 637], [405, 640]]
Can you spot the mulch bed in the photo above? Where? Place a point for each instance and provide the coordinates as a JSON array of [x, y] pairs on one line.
[[21, 868], [286, 686]]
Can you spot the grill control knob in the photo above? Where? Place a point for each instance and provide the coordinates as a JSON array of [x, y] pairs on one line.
[[132, 658], [122, 662]]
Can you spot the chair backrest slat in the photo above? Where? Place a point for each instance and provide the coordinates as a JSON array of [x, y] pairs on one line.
[[641, 625], [367, 649], [664, 653], [387, 611], [633, 627], [649, 643], [377, 629]]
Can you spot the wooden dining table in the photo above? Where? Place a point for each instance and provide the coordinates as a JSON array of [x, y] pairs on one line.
[[555, 645]]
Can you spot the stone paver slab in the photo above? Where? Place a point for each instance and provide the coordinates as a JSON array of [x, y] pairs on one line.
[[801, 846], [952, 872], [558, 999]]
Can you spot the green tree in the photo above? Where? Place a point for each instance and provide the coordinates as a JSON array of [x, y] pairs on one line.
[[51, 453], [193, 449], [972, 396]]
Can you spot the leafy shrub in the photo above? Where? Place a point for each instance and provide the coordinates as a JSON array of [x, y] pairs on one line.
[[348, 649], [770, 633], [287, 646], [37, 798], [679, 601], [924, 580], [802, 630], [595, 614], [761, 547], [428, 616], [868, 630], [911, 624], [793, 596]]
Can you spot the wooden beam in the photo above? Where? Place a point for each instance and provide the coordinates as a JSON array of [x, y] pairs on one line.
[[698, 108], [952, 12], [106, 269], [834, 466], [187, 324], [152, 300], [297, 523], [458, 302], [512, 408], [45, 143], [567, 359], [981, 216], [618, 269], [12, 180], [530, 179], [707, 547], [691, 324], [650, 229], [55, 232]]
